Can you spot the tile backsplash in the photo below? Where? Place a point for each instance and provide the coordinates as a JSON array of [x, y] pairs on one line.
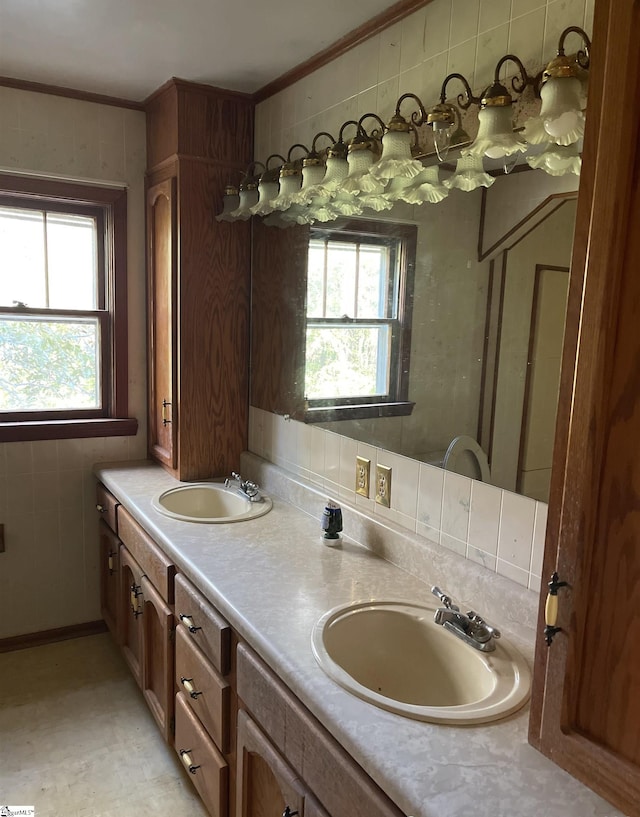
[[500, 530]]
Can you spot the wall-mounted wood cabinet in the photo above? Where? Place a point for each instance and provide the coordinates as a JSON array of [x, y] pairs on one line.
[[198, 139]]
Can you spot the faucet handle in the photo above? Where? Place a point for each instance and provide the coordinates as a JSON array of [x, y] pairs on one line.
[[444, 599], [480, 629]]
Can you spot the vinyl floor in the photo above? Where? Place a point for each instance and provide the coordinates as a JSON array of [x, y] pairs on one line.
[[77, 739]]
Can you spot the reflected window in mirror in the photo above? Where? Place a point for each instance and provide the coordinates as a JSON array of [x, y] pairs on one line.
[[358, 320]]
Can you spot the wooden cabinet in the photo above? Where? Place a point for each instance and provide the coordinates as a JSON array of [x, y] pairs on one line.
[[302, 760], [131, 608], [161, 288], [586, 697], [109, 578], [198, 138]]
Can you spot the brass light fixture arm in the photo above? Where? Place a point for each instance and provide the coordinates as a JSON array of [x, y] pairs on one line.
[[297, 145], [345, 124], [273, 156], [518, 83], [317, 136], [465, 100], [418, 117], [582, 57], [375, 133]]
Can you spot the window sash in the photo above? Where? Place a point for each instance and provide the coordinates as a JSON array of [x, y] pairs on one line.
[[103, 365]]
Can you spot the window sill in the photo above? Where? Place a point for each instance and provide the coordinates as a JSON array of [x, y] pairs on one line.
[[363, 411], [67, 429]]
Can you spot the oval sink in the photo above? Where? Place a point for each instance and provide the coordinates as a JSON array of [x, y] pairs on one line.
[[209, 502], [395, 656]]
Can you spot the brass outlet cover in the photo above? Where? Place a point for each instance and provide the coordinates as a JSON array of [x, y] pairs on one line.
[[363, 476], [383, 485]]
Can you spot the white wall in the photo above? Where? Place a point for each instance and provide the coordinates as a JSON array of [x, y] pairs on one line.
[[49, 571], [501, 530]]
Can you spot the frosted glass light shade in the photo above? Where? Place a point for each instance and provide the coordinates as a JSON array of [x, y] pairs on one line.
[[495, 138], [248, 199], [359, 179], [396, 159], [267, 191], [426, 187], [557, 160], [346, 204], [312, 176], [289, 189], [230, 202], [561, 119], [469, 175], [337, 170]]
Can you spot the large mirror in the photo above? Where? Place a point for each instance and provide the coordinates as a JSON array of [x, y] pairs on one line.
[[482, 323]]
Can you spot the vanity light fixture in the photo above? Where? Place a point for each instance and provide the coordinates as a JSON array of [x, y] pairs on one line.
[[230, 202], [248, 193], [348, 177], [561, 118], [268, 187]]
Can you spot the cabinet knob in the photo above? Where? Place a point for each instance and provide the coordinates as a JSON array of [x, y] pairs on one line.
[[188, 622], [288, 813], [187, 683], [185, 757], [112, 553], [100, 508]]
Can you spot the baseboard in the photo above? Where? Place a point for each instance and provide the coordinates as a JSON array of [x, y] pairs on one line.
[[22, 642]]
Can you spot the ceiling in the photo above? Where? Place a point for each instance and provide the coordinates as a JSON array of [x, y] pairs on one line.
[[128, 48]]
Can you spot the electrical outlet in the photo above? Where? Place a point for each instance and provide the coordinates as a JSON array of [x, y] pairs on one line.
[[383, 485], [363, 476]]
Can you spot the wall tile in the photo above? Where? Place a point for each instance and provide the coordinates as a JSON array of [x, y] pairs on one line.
[[480, 557], [464, 20], [413, 32], [389, 52], [515, 540], [492, 45], [484, 518], [437, 27], [526, 41], [19, 458], [348, 454], [493, 13], [367, 54], [332, 457], [512, 572], [520, 7], [539, 533], [430, 492], [317, 455], [455, 505], [454, 544], [387, 96], [404, 483], [560, 15], [462, 60]]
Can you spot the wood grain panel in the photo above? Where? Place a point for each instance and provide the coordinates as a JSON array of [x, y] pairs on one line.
[[278, 303], [152, 561], [212, 634], [110, 579], [131, 624], [162, 125], [158, 657], [587, 685], [214, 328]]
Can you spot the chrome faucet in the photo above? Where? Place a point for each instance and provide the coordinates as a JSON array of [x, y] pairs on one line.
[[469, 627], [245, 486]]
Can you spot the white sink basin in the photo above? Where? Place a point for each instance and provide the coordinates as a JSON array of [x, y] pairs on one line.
[[209, 502], [395, 656]]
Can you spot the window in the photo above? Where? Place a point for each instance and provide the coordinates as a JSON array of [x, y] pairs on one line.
[[63, 351], [358, 320]]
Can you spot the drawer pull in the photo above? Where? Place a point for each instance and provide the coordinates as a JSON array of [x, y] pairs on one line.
[[101, 509], [288, 813], [187, 683], [188, 622], [165, 405], [112, 553], [135, 591], [186, 759]]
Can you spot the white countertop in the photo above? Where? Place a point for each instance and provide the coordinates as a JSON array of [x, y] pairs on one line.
[[272, 578]]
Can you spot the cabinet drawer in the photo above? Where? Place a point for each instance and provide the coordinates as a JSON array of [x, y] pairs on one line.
[[205, 692], [204, 625], [147, 554], [209, 772], [106, 505], [336, 779]]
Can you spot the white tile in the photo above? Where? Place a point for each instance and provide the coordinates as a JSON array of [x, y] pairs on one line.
[[539, 533], [535, 583], [462, 60], [437, 27], [455, 505], [480, 557], [404, 483], [432, 534], [453, 544], [519, 7], [526, 41], [560, 15], [387, 97], [512, 572], [464, 20], [45, 455], [430, 494], [493, 13], [515, 540], [19, 459], [484, 517], [317, 455], [348, 454], [492, 45], [367, 60], [304, 445], [332, 458], [413, 32], [434, 72], [390, 46]]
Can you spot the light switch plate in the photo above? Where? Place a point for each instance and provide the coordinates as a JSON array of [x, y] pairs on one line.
[[383, 485], [363, 476]]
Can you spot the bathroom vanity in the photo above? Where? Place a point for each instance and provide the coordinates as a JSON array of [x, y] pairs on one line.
[[251, 705]]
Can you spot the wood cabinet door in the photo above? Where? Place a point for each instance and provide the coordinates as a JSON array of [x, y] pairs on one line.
[[157, 657], [131, 610], [109, 578], [162, 301], [586, 697], [265, 784]]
